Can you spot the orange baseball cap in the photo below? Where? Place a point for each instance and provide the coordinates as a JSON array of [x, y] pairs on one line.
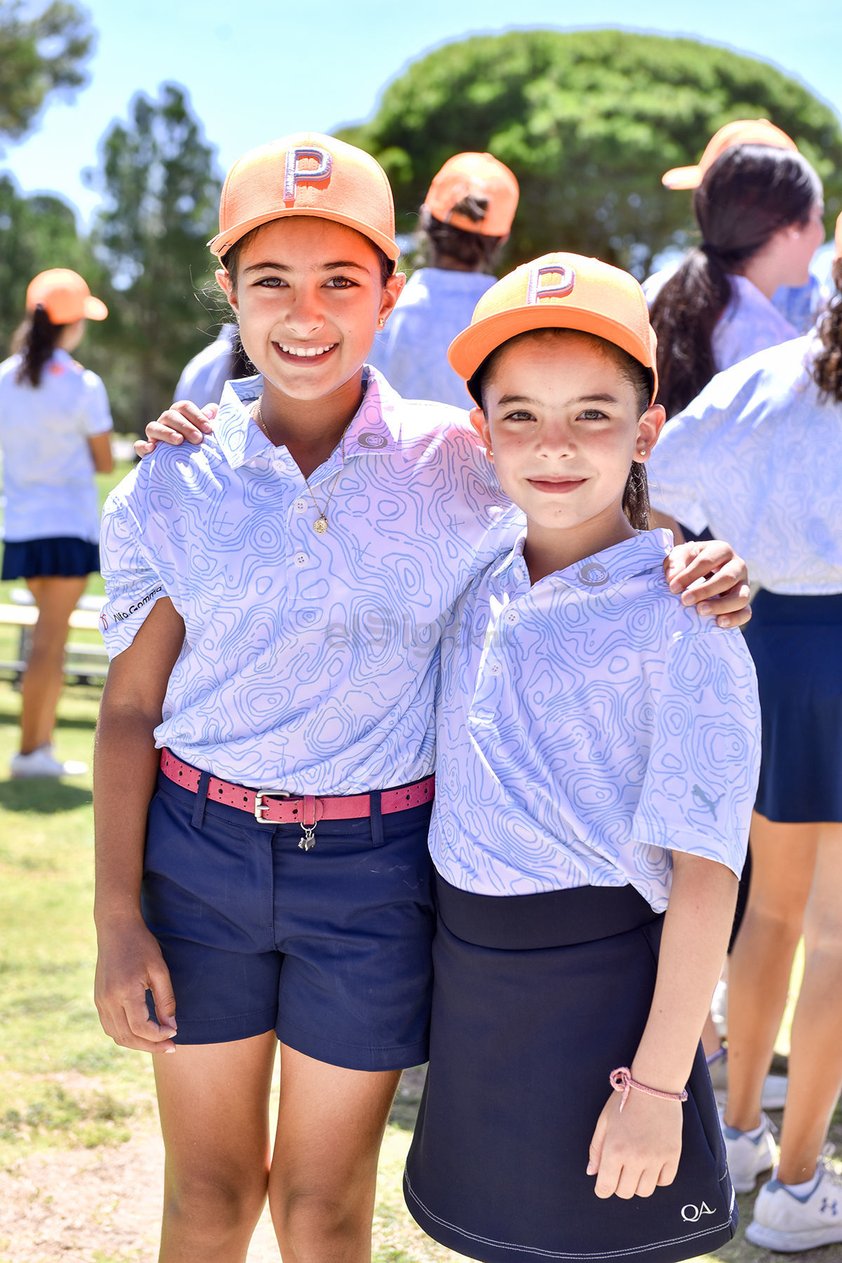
[[558, 291], [474, 175], [743, 131], [307, 174], [65, 297]]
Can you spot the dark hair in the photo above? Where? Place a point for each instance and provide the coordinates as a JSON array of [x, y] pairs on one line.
[[636, 492], [35, 341], [474, 250], [748, 195], [827, 363], [230, 260]]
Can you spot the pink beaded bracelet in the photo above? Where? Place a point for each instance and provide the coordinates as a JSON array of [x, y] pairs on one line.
[[621, 1081]]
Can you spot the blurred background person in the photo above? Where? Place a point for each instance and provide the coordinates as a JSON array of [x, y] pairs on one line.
[[759, 210], [757, 455], [800, 305], [464, 222], [204, 376], [55, 426]]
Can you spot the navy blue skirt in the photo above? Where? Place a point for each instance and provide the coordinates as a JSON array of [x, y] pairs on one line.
[[796, 644], [536, 999], [62, 556]]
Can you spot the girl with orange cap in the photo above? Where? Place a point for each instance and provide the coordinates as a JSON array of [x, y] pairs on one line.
[[265, 749], [55, 425], [590, 822], [759, 208], [775, 423], [465, 221]]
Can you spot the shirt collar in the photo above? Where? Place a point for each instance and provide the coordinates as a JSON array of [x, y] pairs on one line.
[[374, 428], [594, 575]]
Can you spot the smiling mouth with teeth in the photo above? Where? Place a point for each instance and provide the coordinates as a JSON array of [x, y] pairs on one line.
[[305, 352]]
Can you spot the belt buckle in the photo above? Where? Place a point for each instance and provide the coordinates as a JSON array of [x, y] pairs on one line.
[[260, 806]]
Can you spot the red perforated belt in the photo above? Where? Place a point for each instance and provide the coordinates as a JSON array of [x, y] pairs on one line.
[[273, 806]]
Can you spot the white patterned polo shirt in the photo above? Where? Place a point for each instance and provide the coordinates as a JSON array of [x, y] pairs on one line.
[[588, 726], [310, 661]]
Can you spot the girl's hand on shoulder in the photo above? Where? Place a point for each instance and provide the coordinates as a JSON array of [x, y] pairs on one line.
[[182, 421], [710, 575], [634, 1151], [129, 964]]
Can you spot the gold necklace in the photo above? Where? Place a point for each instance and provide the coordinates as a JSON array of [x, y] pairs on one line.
[[320, 525]]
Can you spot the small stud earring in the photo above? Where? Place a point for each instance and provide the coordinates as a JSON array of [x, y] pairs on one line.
[[490, 451], [642, 451], [380, 323]]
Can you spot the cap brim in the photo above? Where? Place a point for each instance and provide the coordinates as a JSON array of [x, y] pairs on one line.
[[223, 241], [469, 348], [682, 177], [95, 309]]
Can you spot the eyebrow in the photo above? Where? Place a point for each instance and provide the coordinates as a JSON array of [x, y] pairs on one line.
[[334, 265], [506, 400]]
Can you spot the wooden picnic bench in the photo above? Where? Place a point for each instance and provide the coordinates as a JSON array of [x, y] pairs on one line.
[[84, 661]]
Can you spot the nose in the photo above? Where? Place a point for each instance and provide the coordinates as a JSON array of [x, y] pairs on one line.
[[304, 316], [556, 439]]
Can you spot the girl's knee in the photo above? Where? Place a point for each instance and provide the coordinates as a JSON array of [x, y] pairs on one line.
[[214, 1204], [307, 1220]]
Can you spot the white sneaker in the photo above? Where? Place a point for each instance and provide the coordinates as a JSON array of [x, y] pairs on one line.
[[750, 1154], [788, 1221], [773, 1096], [42, 762]]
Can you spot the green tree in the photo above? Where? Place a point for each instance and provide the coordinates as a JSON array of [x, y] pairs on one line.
[[39, 54], [160, 192], [588, 121]]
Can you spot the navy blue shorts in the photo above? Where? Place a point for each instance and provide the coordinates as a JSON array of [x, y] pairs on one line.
[[61, 556], [537, 999], [330, 948], [796, 644]]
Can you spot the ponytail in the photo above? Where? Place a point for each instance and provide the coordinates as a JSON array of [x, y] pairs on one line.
[[35, 341], [684, 315], [827, 363]]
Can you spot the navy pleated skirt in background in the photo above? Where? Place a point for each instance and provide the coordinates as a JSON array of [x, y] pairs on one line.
[[537, 998], [59, 556], [796, 644]]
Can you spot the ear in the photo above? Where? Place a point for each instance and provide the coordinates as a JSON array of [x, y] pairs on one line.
[[391, 293], [482, 428], [223, 280], [649, 427]]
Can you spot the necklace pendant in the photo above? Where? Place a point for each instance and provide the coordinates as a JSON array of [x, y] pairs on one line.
[[320, 524]]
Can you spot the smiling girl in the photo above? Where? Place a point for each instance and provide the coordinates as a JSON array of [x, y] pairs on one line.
[[266, 743], [597, 760]]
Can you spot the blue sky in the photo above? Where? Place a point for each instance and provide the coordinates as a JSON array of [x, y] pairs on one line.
[[264, 67]]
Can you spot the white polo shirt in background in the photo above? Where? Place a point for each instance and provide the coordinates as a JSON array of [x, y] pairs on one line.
[[310, 662], [411, 352], [750, 323], [48, 470], [757, 458], [587, 727]]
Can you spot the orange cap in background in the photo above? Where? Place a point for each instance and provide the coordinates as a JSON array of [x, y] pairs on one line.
[[65, 297], [558, 291], [479, 175], [307, 173], [743, 131]]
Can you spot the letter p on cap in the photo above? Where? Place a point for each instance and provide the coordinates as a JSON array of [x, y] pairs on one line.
[[566, 279], [293, 176]]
